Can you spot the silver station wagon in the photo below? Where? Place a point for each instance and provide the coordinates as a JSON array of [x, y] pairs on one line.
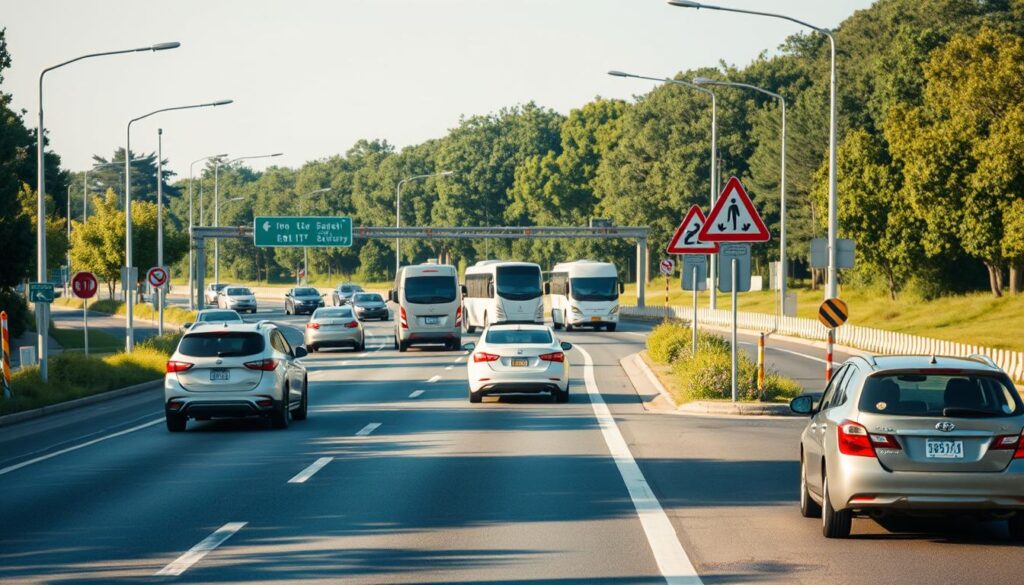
[[913, 435]]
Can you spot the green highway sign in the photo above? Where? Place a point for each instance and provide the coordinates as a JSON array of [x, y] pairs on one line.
[[40, 292], [307, 232]]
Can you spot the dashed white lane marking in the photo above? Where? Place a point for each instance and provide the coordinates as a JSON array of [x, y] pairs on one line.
[[197, 552], [459, 359], [312, 469], [450, 367], [35, 460], [434, 379], [673, 562], [789, 351], [367, 429], [416, 394]]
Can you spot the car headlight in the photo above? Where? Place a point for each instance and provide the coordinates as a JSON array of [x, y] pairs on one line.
[[576, 310], [614, 310]]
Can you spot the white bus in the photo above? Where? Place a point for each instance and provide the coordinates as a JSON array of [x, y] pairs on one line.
[[429, 307], [584, 293], [499, 291]]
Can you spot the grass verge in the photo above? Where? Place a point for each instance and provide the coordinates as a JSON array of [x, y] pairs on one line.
[[707, 374], [172, 315], [74, 339], [73, 375]]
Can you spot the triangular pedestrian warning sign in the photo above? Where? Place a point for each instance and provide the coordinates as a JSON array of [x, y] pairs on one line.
[[685, 240], [733, 218]]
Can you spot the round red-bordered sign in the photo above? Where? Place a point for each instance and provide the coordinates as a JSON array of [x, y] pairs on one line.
[[157, 277], [84, 285]]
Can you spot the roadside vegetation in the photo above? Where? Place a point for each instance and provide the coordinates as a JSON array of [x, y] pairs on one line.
[[73, 375], [172, 315], [707, 374]]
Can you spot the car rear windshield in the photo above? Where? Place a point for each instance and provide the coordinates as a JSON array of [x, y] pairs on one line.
[[221, 344], [220, 316], [306, 292], [217, 287], [335, 313], [424, 290], [238, 290], [369, 298], [518, 283], [502, 336], [601, 288], [935, 394]]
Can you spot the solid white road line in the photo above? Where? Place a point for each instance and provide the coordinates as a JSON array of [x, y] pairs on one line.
[[673, 562], [796, 353], [197, 552], [17, 466], [367, 429], [309, 471], [416, 394], [434, 379]]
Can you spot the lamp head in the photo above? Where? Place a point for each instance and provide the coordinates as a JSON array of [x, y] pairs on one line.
[[446, 173], [685, 4], [615, 73], [277, 154], [223, 102], [702, 80], [165, 46]]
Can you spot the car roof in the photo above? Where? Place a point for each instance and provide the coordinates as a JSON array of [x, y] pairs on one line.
[[883, 363], [208, 326]]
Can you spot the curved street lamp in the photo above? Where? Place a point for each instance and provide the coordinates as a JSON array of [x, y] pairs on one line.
[[191, 252]]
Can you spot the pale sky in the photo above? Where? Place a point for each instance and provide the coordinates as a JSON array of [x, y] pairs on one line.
[[309, 78]]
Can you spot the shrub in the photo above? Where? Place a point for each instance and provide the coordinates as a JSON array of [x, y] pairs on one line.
[[667, 341], [18, 315], [166, 343]]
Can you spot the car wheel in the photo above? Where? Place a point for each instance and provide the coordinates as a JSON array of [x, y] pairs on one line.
[[808, 507], [555, 324], [568, 326], [612, 326], [312, 347], [1016, 526], [403, 346], [176, 423], [396, 342], [475, 397], [280, 418], [834, 523], [302, 411], [362, 345], [561, 396]]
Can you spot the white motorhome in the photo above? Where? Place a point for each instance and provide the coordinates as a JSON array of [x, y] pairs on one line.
[[429, 306], [497, 291], [584, 293]]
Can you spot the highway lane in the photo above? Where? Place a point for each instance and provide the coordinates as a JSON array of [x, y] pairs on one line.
[[519, 490]]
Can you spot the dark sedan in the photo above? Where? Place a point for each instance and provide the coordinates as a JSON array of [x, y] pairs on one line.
[[302, 300], [370, 306]]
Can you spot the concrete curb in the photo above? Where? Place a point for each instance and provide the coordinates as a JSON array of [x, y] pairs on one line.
[[17, 417], [641, 375]]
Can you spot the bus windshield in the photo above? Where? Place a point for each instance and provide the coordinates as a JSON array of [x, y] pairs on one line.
[[518, 283], [603, 288]]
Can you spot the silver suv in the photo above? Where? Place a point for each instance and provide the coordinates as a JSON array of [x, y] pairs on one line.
[[235, 370], [917, 435]]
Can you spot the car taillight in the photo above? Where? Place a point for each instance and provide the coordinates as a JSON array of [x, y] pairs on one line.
[[174, 367], [855, 440], [351, 324], [402, 318], [1008, 442], [312, 325], [484, 357], [458, 316], [266, 365], [553, 357]]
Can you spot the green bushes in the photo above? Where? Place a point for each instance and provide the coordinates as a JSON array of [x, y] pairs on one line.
[[18, 315], [73, 375], [708, 374], [165, 344]]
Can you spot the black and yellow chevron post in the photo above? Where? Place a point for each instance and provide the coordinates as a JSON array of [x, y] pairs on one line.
[[833, 313]]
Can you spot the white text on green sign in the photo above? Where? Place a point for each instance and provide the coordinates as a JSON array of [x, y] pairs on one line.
[[302, 231]]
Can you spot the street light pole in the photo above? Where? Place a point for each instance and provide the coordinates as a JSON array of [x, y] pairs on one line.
[[160, 224], [129, 298], [713, 269], [68, 251], [783, 271], [191, 251], [398, 209], [43, 309], [305, 249], [216, 206], [831, 287]]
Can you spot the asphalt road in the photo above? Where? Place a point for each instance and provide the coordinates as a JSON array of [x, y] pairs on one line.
[[419, 486]]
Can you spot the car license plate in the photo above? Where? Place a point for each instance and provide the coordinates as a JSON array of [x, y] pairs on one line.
[[595, 318], [431, 320], [944, 449], [220, 375], [520, 362]]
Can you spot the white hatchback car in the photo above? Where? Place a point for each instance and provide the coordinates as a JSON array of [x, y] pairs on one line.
[[518, 358], [235, 370]]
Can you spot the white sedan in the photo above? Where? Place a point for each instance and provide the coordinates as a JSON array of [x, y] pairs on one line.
[[518, 358]]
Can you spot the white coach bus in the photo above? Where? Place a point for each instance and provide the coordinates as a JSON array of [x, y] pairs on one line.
[[584, 293], [500, 291]]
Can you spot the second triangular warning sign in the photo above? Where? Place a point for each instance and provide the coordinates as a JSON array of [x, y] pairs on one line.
[[733, 218], [685, 240]]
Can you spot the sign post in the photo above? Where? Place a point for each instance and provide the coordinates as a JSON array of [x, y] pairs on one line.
[[85, 286], [157, 278], [6, 346], [734, 219], [832, 313], [667, 266]]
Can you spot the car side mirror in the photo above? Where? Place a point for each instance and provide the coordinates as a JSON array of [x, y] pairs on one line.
[[465, 291], [547, 288], [187, 325], [469, 346], [622, 288], [803, 404], [300, 352], [566, 346], [490, 290]]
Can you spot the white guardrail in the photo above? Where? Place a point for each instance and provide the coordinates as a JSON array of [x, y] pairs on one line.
[[876, 341]]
